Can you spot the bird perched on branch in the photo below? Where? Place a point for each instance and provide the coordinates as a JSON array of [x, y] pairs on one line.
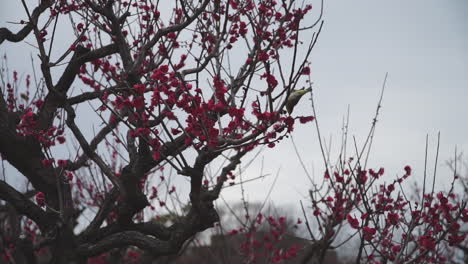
[[294, 98]]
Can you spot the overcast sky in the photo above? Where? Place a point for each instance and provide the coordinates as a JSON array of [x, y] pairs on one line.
[[422, 44]]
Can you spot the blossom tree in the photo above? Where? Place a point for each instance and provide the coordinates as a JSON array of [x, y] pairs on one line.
[[390, 220], [173, 85], [382, 219]]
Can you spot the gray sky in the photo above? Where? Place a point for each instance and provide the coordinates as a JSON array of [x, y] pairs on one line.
[[422, 44]]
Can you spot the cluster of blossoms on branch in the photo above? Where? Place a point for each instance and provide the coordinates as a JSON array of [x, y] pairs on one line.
[[260, 244], [387, 220]]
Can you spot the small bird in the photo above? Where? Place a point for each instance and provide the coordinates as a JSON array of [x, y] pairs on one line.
[[294, 98]]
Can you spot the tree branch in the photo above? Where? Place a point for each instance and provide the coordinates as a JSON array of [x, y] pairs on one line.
[[25, 207], [6, 34]]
